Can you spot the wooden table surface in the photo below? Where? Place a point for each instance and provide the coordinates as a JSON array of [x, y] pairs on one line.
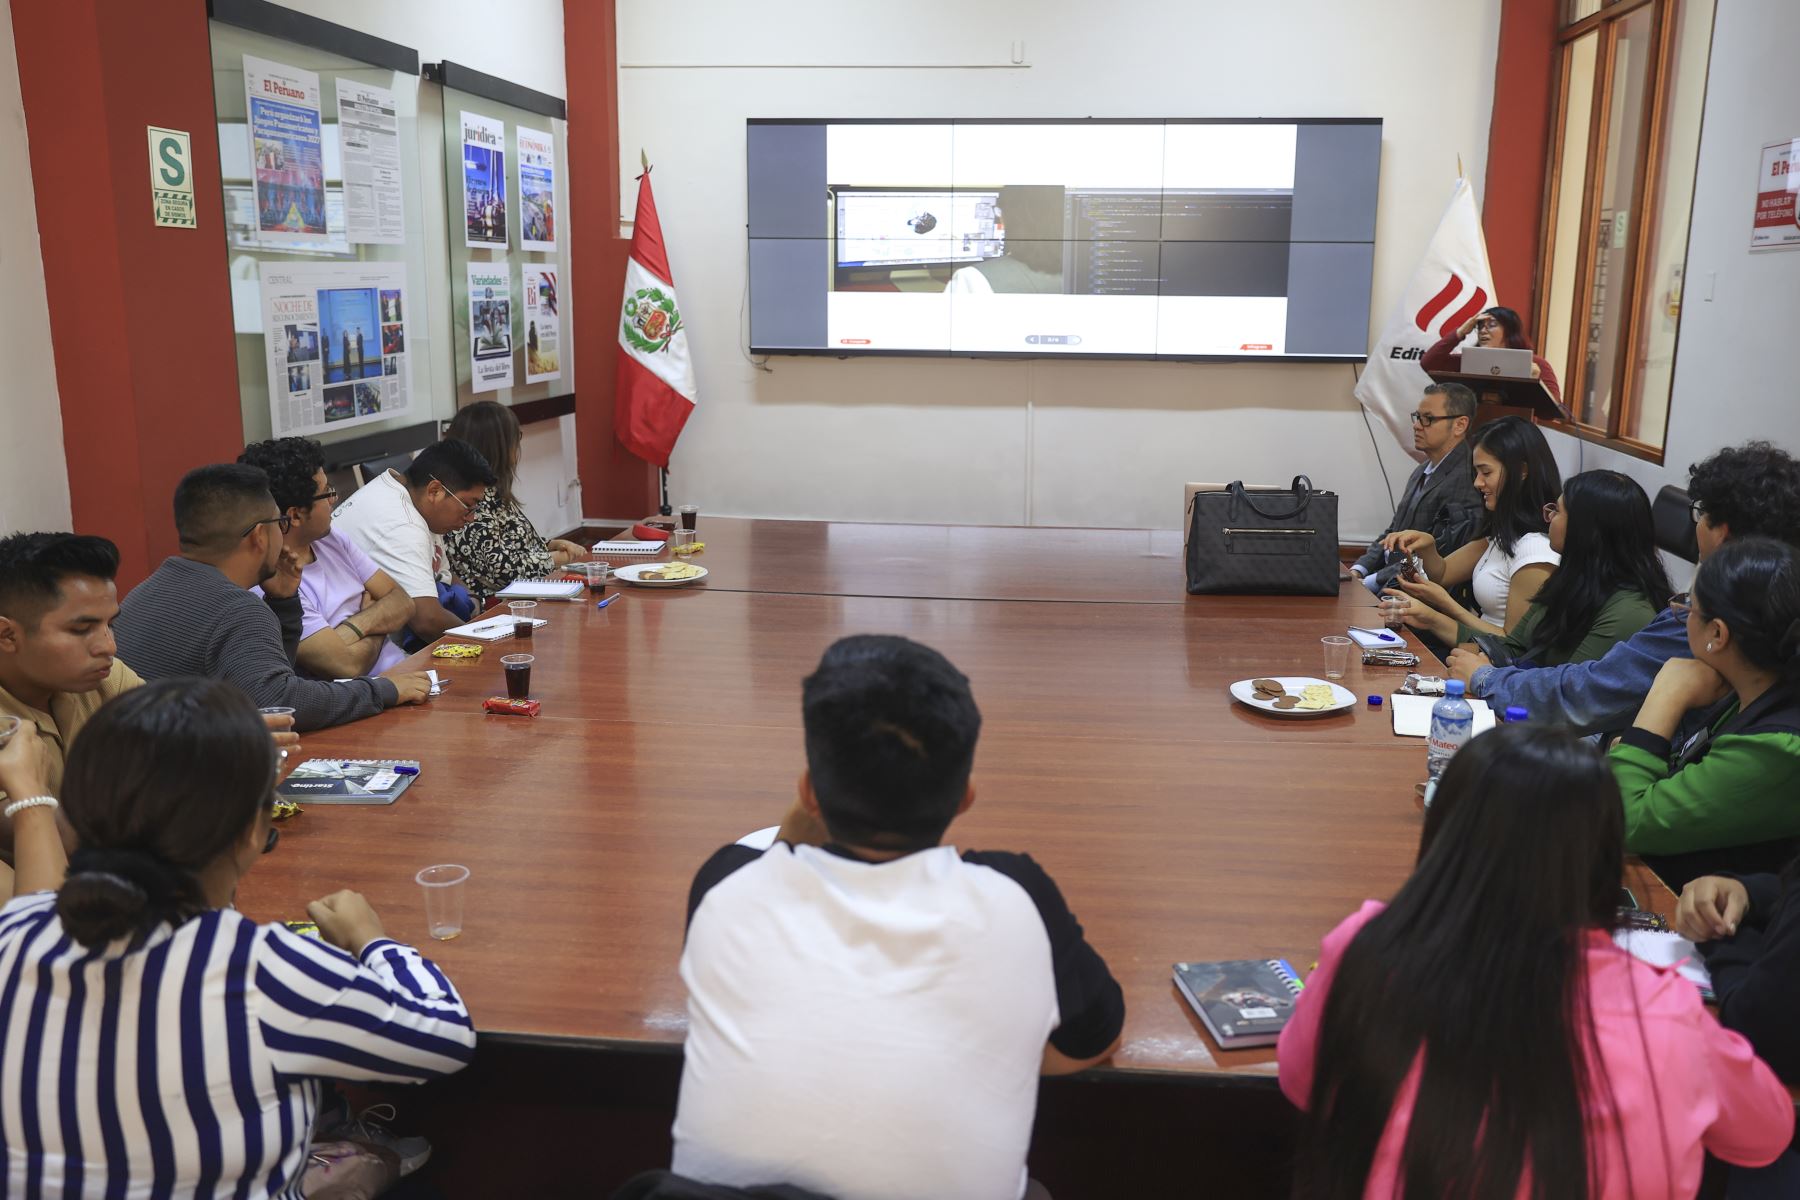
[[1179, 825]]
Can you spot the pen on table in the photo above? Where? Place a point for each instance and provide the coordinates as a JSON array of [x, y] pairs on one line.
[[609, 600], [406, 770]]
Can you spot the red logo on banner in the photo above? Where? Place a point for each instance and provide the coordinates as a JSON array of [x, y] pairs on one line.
[[1256, 346], [1438, 303], [853, 341]]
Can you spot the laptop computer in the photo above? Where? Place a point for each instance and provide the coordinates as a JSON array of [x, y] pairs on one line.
[[1497, 360]]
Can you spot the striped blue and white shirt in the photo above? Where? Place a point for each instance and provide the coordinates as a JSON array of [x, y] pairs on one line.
[[190, 1065]]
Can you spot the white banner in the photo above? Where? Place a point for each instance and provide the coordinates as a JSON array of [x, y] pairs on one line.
[[490, 327], [1453, 282], [337, 346]]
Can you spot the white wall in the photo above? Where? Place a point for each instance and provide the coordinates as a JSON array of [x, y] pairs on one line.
[[1045, 442], [1734, 358], [34, 478], [521, 41]]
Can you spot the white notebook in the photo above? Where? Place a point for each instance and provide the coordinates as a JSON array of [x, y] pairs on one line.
[[1667, 950], [493, 629], [1412, 714], [612, 549], [541, 589]]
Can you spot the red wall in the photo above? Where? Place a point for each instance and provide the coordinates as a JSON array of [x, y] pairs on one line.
[[1518, 142], [140, 317], [614, 483]]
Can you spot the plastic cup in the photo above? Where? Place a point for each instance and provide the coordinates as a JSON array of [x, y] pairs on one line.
[[1393, 611], [518, 675], [443, 899], [1337, 656], [595, 574], [690, 516], [682, 542], [523, 613]]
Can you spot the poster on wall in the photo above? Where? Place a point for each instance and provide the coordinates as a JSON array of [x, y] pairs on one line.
[[490, 327], [337, 346], [1777, 220], [369, 132], [543, 323], [287, 161], [484, 181], [537, 190]]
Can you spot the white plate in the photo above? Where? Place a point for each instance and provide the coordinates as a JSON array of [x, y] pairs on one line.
[[1341, 697], [631, 572]]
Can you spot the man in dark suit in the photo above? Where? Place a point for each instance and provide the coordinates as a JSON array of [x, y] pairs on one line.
[[1440, 497]]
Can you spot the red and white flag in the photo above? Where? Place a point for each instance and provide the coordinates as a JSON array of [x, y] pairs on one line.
[[1451, 284], [655, 392]]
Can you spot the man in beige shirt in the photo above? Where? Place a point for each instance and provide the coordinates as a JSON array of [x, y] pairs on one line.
[[57, 664]]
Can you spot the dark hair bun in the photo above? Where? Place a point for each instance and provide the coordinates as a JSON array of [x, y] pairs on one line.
[[110, 894]]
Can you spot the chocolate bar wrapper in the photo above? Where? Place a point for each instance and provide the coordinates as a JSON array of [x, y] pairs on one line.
[[517, 708]]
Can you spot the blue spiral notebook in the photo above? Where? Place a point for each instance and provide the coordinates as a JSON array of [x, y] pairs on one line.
[[1244, 1003]]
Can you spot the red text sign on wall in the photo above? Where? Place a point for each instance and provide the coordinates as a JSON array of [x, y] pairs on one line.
[[1777, 219]]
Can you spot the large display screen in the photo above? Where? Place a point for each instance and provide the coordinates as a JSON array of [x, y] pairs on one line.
[[1130, 238]]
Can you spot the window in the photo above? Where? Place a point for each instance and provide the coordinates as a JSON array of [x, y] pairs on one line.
[[1631, 87]]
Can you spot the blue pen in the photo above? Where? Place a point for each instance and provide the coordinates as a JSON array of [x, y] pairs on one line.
[[609, 600], [406, 770]]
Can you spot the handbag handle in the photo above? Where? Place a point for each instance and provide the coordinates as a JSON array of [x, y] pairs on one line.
[[1302, 494]]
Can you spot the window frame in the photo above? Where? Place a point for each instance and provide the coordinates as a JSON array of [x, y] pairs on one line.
[[1635, 283]]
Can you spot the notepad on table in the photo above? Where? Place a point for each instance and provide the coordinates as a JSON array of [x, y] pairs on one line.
[[349, 780], [541, 589], [492, 629], [1243, 1003], [1667, 950], [1412, 714], [615, 549]]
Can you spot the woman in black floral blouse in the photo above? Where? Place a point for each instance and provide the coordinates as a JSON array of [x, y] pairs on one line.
[[500, 544]]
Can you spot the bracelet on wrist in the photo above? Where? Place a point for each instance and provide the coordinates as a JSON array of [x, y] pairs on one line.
[[351, 626], [18, 806]]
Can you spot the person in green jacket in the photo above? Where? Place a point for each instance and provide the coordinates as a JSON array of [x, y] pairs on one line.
[[1728, 800], [1610, 585]]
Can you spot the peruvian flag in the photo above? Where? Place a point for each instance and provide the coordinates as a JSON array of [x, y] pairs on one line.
[[1452, 283], [655, 390]]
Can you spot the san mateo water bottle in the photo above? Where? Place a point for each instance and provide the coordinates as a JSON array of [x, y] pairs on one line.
[[1452, 721]]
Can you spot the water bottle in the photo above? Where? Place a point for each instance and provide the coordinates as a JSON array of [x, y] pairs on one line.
[[1452, 720]]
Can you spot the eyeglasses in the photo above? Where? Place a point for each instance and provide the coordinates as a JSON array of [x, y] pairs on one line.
[[1696, 511], [328, 494], [1487, 323], [1551, 510], [1681, 603], [1427, 420], [466, 506], [284, 521]]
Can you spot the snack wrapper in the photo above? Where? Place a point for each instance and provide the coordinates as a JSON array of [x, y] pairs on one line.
[[457, 650], [517, 708]]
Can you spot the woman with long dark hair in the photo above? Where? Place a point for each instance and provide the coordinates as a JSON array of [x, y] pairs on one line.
[[1498, 328], [1518, 479], [1483, 1036], [153, 1040], [1729, 798], [1610, 585], [498, 543]]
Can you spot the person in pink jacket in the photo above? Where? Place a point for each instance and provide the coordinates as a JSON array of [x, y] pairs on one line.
[[1482, 1035]]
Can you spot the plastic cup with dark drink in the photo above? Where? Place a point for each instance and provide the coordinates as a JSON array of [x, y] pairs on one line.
[[523, 613], [690, 516], [518, 675], [595, 574]]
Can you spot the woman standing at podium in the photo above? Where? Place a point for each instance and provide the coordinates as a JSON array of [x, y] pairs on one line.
[[1499, 329]]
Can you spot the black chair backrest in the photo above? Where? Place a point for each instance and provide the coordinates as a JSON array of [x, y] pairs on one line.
[[1672, 516]]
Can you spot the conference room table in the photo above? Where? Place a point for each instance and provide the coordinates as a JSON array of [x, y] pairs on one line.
[[1178, 824]]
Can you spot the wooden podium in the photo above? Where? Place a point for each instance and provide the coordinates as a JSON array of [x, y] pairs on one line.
[[1498, 396]]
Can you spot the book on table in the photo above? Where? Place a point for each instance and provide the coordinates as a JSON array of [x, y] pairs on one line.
[[349, 780], [1244, 1002]]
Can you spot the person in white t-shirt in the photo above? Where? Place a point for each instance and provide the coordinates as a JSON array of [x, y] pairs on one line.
[[400, 517], [869, 1010], [1517, 477]]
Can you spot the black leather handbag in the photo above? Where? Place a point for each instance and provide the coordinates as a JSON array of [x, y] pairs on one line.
[[1263, 541]]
